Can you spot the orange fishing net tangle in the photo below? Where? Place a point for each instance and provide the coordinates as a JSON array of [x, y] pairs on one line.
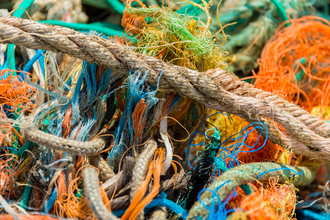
[[295, 62], [15, 98], [271, 202], [15, 94]]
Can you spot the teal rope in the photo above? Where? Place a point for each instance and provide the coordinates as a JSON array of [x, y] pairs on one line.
[[26, 195], [301, 74], [22, 8], [280, 10], [11, 47], [108, 25], [85, 27], [189, 8], [312, 215], [116, 5], [27, 146]]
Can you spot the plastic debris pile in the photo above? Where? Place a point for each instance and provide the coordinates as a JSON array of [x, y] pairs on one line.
[[165, 109]]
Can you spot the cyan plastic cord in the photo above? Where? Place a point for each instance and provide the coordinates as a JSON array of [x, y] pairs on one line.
[[25, 196], [168, 204], [306, 214], [190, 9], [203, 133], [284, 168], [104, 81], [28, 67], [50, 203], [30, 63], [216, 212], [5, 74], [11, 47], [83, 134], [87, 27], [280, 11], [135, 93], [159, 201]]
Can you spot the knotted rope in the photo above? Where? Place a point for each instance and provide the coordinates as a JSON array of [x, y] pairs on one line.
[[217, 89]]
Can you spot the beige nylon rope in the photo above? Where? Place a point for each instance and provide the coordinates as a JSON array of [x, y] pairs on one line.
[[217, 89]]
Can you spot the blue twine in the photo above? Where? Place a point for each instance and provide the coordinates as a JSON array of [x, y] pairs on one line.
[[30, 63], [218, 211], [231, 152], [119, 212], [135, 93], [83, 134], [9, 148], [310, 215], [50, 203], [175, 101], [193, 135], [160, 201], [5, 74], [28, 67], [104, 80], [283, 168]]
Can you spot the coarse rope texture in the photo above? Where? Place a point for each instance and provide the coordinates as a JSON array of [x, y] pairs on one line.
[[141, 166], [217, 89], [123, 177], [120, 202], [158, 214], [93, 194], [87, 148], [244, 174], [180, 181], [105, 171]]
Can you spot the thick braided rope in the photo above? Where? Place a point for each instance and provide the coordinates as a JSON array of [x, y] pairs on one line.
[[93, 194], [87, 148], [141, 166], [179, 181], [159, 214], [244, 174], [216, 89], [106, 172], [122, 178], [120, 202]]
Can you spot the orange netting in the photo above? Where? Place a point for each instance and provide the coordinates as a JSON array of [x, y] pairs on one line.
[[294, 64], [272, 202]]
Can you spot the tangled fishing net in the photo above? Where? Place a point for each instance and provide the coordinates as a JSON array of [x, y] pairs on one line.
[[175, 38], [135, 110], [294, 63]]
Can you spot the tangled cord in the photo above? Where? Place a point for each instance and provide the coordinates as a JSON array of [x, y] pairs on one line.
[[87, 148], [216, 89], [141, 166], [244, 174], [91, 186]]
